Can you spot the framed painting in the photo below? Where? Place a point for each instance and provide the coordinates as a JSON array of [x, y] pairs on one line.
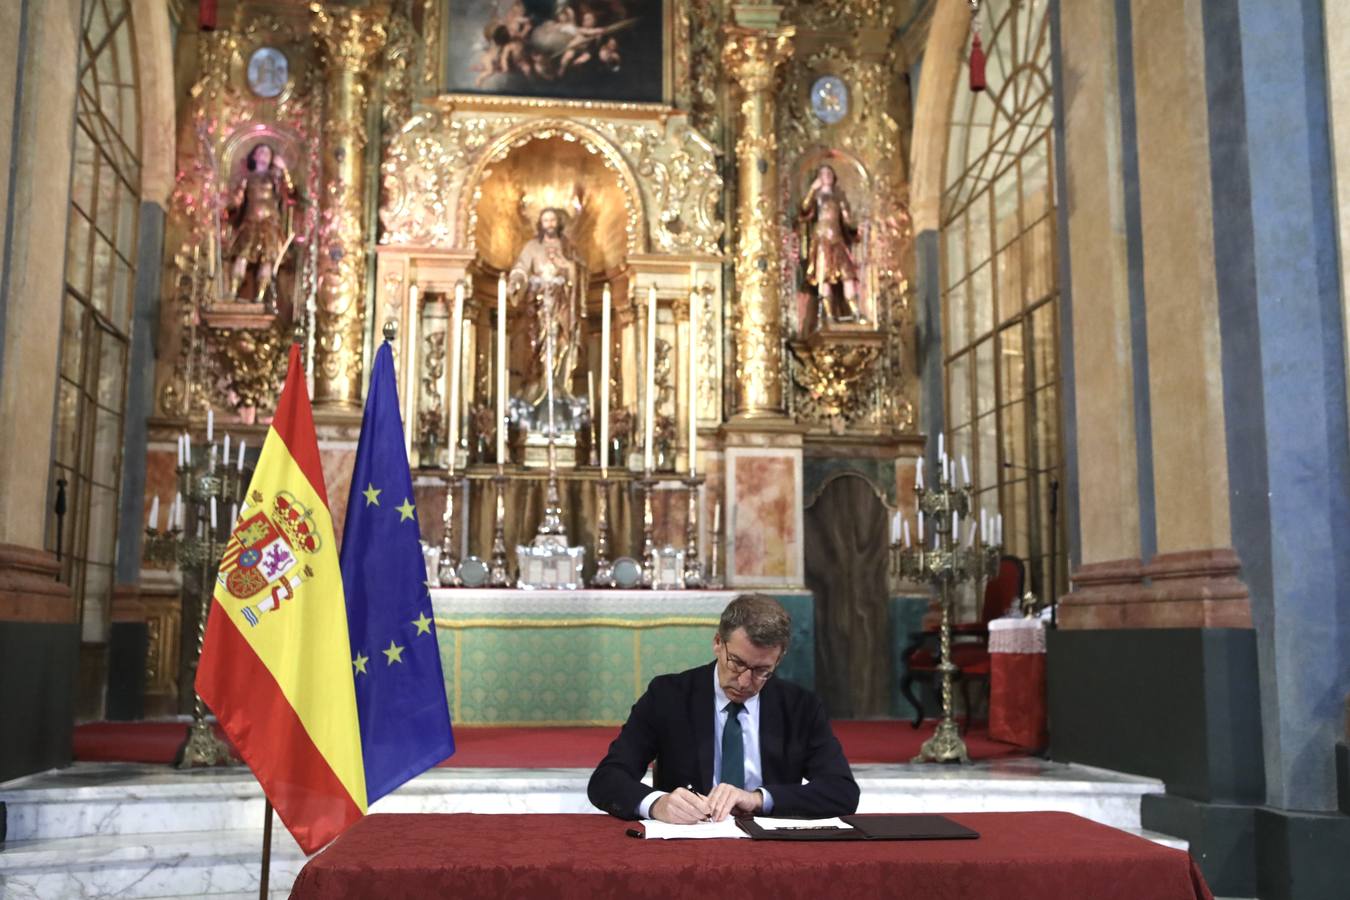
[[598, 50]]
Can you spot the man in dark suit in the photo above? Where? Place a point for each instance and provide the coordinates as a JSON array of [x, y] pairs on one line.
[[728, 738]]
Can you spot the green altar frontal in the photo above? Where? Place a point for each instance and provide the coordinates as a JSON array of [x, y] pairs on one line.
[[515, 657]]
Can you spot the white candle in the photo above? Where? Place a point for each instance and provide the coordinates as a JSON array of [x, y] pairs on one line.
[[410, 367], [210, 425], [213, 513], [234, 514], [590, 390], [984, 525], [178, 507], [501, 370], [154, 513], [605, 301], [456, 340], [693, 383], [920, 526], [213, 458], [918, 474], [240, 466], [956, 531], [225, 454], [965, 470], [717, 516], [970, 535], [998, 529], [895, 528], [905, 527], [649, 419]]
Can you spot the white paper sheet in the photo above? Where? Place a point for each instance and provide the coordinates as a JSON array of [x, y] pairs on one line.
[[727, 828], [771, 824]]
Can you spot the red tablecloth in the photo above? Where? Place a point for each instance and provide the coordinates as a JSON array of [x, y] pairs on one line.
[[1047, 856]]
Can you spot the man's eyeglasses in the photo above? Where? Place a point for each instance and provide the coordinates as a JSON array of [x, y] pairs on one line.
[[738, 667]]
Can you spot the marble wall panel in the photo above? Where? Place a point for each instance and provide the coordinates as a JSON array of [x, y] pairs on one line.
[[765, 518], [338, 462]]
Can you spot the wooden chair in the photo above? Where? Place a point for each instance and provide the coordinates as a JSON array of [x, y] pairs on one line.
[[970, 641]]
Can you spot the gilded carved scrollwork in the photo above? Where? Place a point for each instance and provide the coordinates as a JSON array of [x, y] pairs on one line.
[[349, 40], [220, 358], [841, 14], [668, 175], [752, 57], [836, 380], [869, 139], [706, 20]]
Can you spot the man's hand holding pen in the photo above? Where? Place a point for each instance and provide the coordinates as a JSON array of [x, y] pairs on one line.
[[682, 806], [685, 806]]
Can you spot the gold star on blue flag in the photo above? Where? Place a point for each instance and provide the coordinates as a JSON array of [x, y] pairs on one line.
[[401, 705]]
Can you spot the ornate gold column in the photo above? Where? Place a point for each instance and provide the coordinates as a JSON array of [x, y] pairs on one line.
[[755, 47], [348, 40]]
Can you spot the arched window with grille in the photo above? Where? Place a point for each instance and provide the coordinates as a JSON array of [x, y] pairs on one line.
[[1000, 292], [97, 307]]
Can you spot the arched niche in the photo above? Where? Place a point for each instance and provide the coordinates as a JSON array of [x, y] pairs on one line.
[[553, 162]]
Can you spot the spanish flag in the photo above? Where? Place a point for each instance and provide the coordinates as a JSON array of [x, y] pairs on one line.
[[275, 665]]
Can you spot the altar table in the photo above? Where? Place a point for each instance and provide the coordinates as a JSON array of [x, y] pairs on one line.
[[517, 657], [1045, 855]]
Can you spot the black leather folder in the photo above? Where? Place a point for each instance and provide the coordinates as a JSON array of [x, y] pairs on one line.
[[909, 827]]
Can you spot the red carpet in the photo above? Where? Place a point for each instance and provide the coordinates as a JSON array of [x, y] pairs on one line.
[[480, 746]]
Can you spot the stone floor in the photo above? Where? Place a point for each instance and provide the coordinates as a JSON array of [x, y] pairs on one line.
[[126, 830]]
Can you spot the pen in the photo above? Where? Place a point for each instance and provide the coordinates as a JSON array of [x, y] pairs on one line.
[[690, 789]]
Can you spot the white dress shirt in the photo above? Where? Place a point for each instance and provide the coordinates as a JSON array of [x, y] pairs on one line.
[[749, 719]]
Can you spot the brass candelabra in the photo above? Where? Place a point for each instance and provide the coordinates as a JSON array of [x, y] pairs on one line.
[[193, 539], [946, 564]]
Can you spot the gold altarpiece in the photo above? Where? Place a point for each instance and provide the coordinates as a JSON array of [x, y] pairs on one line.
[[402, 191]]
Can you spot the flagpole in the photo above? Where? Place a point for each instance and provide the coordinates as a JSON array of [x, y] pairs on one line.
[[267, 850]]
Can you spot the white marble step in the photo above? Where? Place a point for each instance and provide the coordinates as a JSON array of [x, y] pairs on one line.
[[1014, 785], [185, 864], [1158, 837], [123, 799], [113, 799]]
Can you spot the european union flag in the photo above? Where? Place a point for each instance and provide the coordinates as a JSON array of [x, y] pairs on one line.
[[400, 692]]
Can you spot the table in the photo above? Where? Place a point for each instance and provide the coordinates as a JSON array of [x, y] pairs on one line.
[[1017, 682], [1046, 855]]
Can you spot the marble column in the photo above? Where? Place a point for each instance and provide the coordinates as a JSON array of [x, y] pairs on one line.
[[349, 40], [755, 48]]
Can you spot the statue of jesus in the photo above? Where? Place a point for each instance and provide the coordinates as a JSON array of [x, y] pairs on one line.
[[548, 280]]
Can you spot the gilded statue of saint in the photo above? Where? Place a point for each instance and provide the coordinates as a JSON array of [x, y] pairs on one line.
[[829, 236], [257, 208], [548, 281]]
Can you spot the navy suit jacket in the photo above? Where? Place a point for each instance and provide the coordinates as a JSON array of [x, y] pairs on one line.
[[673, 724]]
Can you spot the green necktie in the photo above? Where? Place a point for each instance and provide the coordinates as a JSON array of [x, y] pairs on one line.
[[733, 747]]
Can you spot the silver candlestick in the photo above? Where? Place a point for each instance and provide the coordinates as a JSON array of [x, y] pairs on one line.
[[693, 568], [604, 569], [447, 568]]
